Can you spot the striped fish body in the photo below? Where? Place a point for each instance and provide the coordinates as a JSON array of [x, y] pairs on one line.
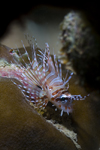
[[41, 78]]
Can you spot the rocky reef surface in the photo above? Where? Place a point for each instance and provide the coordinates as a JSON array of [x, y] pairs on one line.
[[21, 127]]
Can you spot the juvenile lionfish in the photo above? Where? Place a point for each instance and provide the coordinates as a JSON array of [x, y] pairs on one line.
[[41, 78]]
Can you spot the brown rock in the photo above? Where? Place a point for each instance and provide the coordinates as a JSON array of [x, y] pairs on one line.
[[21, 128]]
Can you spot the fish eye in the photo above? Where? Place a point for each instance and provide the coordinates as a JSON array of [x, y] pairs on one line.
[[63, 98]]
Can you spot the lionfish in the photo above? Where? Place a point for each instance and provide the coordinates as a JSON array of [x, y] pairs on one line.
[[40, 77]]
